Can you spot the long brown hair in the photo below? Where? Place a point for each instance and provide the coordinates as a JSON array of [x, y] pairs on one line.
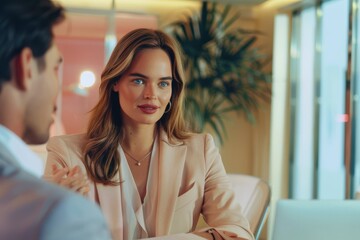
[[105, 128]]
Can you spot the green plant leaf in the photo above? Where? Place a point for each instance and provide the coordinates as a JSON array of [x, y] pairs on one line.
[[224, 69]]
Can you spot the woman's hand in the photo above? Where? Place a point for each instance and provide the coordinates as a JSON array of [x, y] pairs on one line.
[[72, 179], [210, 235], [204, 235]]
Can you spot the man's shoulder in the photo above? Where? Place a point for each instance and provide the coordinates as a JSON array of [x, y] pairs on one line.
[[19, 189], [74, 217], [40, 208]]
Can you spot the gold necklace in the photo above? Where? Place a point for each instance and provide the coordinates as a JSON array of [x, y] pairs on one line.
[[138, 162]]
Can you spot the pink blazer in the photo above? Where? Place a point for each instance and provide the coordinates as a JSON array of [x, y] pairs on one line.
[[192, 181]]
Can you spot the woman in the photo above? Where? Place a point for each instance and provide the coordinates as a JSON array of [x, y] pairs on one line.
[[150, 176]]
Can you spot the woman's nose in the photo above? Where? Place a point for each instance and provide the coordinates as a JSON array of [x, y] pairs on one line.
[[150, 92]]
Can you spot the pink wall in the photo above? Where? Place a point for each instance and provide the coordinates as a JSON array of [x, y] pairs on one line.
[[79, 55], [81, 41]]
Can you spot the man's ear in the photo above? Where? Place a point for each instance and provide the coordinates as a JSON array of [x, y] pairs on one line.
[[24, 66]]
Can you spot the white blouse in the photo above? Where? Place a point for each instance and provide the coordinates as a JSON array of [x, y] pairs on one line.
[[139, 218]]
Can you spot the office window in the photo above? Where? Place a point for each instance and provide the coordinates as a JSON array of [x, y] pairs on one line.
[[333, 64], [303, 72], [319, 62]]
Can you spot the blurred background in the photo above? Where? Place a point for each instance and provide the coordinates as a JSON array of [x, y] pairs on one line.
[[287, 107]]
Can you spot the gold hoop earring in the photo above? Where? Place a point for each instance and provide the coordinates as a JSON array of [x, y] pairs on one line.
[[167, 110]]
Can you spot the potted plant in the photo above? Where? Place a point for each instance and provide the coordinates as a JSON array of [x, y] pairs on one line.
[[223, 68]]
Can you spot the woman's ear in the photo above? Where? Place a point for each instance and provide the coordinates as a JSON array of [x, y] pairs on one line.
[[23, 69], [116, 86]]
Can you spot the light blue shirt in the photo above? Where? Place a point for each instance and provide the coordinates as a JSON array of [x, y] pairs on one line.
[[33, 209], [21, 153]]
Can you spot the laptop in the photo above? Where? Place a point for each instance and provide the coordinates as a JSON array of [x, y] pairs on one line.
[[317, 220]]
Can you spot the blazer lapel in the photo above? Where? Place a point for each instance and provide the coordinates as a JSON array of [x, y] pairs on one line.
[[110, 201], [171, 165]]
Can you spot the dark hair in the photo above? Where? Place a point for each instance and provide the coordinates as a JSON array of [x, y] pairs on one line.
[[26, 23]]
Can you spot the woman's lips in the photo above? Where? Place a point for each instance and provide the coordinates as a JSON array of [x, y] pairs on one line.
[[148, 108]]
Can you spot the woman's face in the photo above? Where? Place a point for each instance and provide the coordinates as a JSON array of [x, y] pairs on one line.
[[145, 88]]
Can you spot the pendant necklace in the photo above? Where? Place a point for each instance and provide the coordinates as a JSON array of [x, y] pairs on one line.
[[138, 162]]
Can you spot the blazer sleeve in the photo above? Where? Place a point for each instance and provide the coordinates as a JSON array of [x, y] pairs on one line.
[[220, 210], [74, 217], [58, 154]]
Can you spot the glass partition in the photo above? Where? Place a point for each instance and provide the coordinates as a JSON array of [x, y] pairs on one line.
[[303, 71], [332, 118], [319, 63]]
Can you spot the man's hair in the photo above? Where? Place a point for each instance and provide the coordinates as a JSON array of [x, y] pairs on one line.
[[26, 23]]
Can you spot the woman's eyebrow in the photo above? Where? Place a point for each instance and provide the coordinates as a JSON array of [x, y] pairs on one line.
[[143, 76], [138, 75]]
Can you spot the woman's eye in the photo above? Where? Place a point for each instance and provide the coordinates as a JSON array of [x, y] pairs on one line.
[[138, 81], [164, 84]]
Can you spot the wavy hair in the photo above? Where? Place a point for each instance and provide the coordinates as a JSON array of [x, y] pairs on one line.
[[105, 128]]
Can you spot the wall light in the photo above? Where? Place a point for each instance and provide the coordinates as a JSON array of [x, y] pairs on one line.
[[87, 79]]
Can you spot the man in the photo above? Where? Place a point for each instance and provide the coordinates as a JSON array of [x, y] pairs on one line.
[[30, 208]]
